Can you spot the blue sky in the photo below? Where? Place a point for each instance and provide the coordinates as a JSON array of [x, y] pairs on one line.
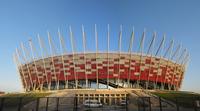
[[24, 19]]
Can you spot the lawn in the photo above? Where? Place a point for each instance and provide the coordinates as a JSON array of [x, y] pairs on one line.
[[13, 100], [184, 99]]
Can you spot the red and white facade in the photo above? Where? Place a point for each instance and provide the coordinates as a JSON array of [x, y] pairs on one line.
[[111, 69]]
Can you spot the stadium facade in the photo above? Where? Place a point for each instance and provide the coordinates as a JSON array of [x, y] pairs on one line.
[[160, 67]]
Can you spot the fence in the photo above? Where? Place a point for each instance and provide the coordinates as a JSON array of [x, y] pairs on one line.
[[96, 104]]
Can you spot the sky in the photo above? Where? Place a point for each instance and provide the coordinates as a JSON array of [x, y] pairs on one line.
[[22, 20]]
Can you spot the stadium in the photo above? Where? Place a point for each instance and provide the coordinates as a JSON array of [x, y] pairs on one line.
[[160, 66]]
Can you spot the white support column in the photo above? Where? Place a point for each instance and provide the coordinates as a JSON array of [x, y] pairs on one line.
[[185, 63], [160, 49], [52, 60], [35, 65], [44, 64], [141, 54], [180, 63], [108, 48], [183, 57], [177, 66], [21, 75], [187, 58], [73, 50], [19, 67], [150, 51], [119, 52], [169, 50], [96, 54], [130, 59], [63, 52], [175, 55], [85, 59], [27, 66]]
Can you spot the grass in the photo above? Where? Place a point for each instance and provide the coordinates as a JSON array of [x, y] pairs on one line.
[[184, 99], [12, 100], [9, 95]]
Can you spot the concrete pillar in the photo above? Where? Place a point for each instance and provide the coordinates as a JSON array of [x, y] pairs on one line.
[[110, 99], [115, 99], [104, 99], [120, 97], [78, 98], [99, 98], [83, 98]]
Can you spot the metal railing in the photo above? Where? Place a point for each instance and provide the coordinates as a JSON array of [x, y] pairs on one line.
[[99, 104]]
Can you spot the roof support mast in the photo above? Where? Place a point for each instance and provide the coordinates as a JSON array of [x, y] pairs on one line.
[[27, 66], [52, 60], [119, 52], [44, 64], [63, 52], [141, 54], [85, 59], [160, 49], [186, 59], [169, 50], [35, 65], [130, 52], [150, 51], [19, 67], [96, 54], [185, 62], [174, 56], [175, 76], [108, 59], [73, 50], [180, 62]]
